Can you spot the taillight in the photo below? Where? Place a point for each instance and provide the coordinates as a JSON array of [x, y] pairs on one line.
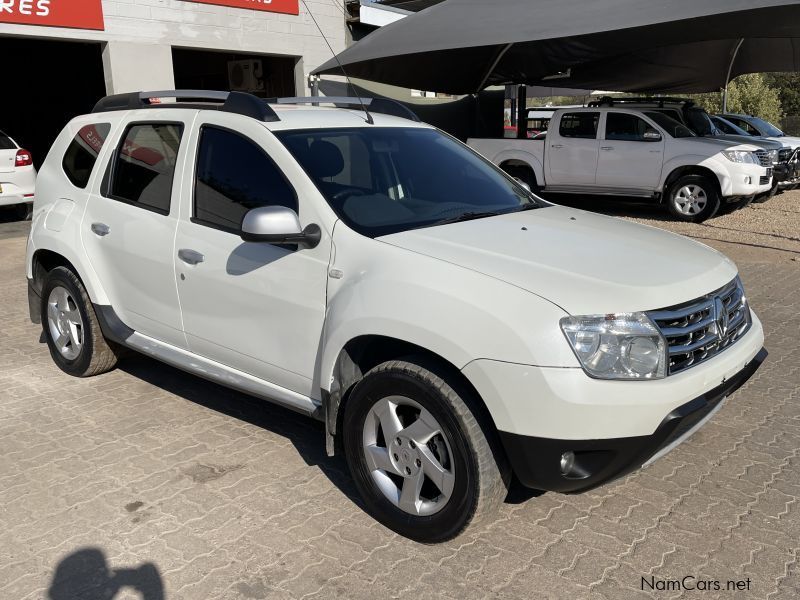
[[24, 158]]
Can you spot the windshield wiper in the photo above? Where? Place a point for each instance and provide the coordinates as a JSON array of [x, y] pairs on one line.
[[531, 206], [469, 216]]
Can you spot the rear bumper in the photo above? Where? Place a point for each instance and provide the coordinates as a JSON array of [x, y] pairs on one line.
[[537, 461]]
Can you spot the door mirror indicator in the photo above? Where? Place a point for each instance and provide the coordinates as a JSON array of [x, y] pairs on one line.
[[280, 226], [651, 135]]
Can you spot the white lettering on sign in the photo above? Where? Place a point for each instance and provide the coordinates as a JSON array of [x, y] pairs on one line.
[[37, 8]]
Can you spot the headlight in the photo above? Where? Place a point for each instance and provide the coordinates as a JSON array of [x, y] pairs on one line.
[[775, 156], [623, 346], [740, 156]]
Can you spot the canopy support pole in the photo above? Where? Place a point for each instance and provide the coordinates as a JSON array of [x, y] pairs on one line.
[[728, 77], [489, 72]]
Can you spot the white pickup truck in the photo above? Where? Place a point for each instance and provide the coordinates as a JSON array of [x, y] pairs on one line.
[[627, 152]]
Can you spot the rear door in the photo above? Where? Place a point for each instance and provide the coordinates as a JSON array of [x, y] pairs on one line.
[[572, 149], [628, 160], [8, 153], [129, 225]]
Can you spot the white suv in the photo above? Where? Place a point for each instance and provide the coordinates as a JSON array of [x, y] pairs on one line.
[[17, 177], [448, 327]]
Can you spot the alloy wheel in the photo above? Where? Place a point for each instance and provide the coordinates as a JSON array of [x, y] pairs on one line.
[[65, 323], [408, 456], [690, 199]]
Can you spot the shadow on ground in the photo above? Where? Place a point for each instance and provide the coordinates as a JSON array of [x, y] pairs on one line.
[[85, 575]]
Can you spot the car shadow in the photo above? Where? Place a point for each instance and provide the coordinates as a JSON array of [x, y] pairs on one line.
[[305, 434], [614, 206], [86, 575]]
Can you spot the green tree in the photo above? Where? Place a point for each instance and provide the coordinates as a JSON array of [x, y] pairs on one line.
[[748, 94], [788, 86]]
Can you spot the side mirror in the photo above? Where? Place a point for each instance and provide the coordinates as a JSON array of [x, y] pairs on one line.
[[522, 183], [651, 135], [280, 226]]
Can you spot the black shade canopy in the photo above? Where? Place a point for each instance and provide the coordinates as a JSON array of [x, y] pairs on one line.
[[463, 46]]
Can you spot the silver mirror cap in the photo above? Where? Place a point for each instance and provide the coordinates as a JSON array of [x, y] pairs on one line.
[[522, 183], [652, 135], [271, 221]]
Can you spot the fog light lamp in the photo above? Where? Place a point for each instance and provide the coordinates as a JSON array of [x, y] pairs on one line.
[[567, 462]]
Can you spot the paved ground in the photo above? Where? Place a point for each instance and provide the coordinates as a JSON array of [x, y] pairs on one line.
[[147, 478]]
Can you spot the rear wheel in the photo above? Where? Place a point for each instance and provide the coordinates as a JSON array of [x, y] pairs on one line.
[[693, 198], [71, 328], [419, 457]]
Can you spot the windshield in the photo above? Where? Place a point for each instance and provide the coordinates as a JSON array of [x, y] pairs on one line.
[[767, 129], [728, 127], [670, 125], [700, 122], [385, 180]]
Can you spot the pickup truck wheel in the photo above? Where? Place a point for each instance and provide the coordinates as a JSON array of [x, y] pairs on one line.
[[71, 328], [418, 455], [693, 198]]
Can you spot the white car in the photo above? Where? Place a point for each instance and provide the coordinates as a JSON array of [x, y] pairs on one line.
[[632, 152], [448, 327], [17, 177]]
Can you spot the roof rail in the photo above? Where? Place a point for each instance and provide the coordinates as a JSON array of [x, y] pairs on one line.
[[609, 101], [385, 106], [234, 102]]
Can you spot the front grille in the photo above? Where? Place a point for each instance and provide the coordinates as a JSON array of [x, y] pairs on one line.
[[763, 158], [695, 331], [764, 180]]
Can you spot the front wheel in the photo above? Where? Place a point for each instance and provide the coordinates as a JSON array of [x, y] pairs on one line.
[[419, 456], [693, 198]]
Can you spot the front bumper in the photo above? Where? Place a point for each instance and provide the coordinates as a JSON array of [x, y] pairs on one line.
[[537, 461]]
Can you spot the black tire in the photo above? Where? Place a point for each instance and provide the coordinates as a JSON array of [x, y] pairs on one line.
[[480, 477], [710, 195], [24, 211], [95, 355]]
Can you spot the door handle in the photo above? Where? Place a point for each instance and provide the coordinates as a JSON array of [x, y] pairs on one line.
[[557, 146], [190, 257], [101, 229], [606, 148]]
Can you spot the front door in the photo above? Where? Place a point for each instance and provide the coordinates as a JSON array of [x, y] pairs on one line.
[[628, 158], [255, 307], [129, 225], [571, 151]]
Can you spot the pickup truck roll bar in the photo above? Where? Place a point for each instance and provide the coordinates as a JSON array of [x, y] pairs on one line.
[[242, 103]]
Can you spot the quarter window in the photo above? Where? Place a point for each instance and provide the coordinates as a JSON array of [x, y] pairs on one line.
[[579, 125], [6, 143], [625, 127], [233, 176], [144, 166], [81, 155]]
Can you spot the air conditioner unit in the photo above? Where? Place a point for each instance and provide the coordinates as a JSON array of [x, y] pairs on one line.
[[246, 75]]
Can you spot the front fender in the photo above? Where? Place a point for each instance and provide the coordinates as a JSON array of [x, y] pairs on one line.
[[720, 170], [457, 314]]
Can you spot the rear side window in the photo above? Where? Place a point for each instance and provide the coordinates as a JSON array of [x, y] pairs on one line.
[[625, 127], [6, 143], [144, 166], [580, 125], [81, 155], [233, 176]]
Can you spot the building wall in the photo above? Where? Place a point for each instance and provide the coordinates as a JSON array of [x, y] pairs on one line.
[[141, 33]]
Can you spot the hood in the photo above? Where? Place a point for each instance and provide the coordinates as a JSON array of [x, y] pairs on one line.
[[583, 262], [720, 143], [762, 143], [788, 141]]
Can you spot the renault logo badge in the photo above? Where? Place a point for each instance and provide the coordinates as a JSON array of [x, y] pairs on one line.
[[721, 316]]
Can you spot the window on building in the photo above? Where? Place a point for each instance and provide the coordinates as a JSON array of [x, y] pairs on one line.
[[144, 166], [235, 175], [81, 155], [580, 125]]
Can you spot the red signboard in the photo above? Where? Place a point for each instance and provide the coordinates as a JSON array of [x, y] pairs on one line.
[[80, 14], [289, 7]]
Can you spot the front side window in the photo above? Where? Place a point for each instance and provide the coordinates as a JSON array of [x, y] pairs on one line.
[[233, 176], [144, 166], [580, 125], [81, 154], [625, 127], [383, 180]]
